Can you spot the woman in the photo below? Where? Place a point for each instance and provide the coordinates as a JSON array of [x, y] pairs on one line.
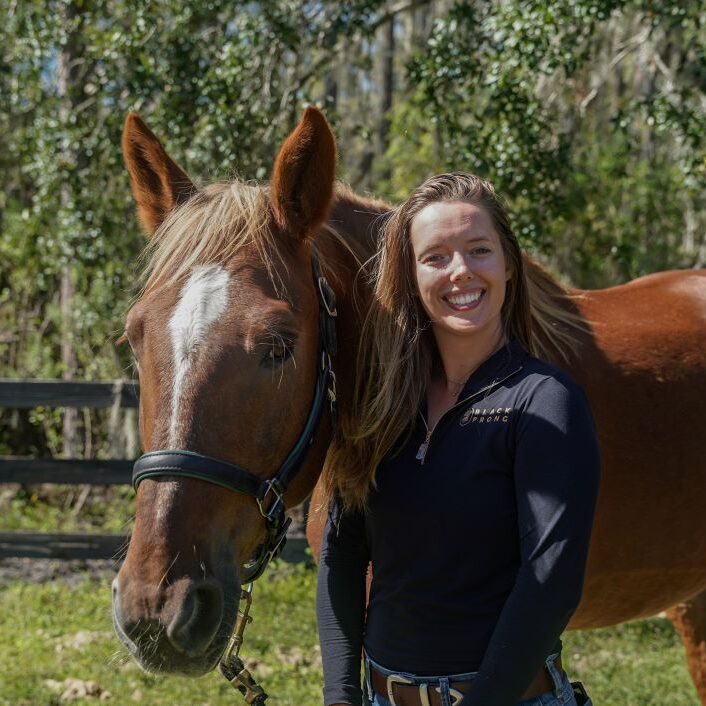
[[467, 473]]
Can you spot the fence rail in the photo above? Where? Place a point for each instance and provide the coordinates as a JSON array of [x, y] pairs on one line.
[[24, 394], [42, 545], [17, 469]]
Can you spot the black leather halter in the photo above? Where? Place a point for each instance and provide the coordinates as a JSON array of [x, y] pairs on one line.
[[269, 494]]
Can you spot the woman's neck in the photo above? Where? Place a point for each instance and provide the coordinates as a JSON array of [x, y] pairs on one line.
[[460, 356]]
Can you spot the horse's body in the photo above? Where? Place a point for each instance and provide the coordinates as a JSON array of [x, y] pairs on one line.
[[640, 356]]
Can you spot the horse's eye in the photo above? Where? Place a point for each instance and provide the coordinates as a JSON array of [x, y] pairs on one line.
[[278, 353]]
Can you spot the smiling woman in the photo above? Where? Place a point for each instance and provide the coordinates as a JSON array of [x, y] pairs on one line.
[[419, 341], [468, 476], [459, 260]]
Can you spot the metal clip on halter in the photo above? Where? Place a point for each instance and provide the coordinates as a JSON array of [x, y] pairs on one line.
[[232, 666], [327, 367], [273, 487]]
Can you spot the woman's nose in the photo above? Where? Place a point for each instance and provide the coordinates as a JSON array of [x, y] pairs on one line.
[[460, 271]]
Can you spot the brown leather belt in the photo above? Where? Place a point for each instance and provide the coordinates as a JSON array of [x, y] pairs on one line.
[[398, 693]]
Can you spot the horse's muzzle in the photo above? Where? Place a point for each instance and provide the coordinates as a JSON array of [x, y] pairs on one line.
[[184, 629]]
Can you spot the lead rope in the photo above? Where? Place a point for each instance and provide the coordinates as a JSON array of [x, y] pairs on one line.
[[232, 666]]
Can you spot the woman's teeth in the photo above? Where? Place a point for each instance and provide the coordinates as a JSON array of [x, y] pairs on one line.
[[464, 299]]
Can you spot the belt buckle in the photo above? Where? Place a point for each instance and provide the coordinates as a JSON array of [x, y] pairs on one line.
[[393, 679]]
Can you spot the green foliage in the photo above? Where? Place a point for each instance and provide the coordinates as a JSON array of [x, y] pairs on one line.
[[222, 83], [623, 216], [596, 175]]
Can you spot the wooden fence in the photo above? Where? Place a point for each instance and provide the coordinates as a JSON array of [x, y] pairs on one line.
[[24, 394]]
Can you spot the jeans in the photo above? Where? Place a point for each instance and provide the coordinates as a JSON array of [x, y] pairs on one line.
[[561, 695]]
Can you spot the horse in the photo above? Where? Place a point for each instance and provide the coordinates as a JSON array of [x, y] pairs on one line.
[[226, 336]]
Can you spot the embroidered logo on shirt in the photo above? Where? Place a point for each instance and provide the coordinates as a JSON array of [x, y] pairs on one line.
[[477, 415]]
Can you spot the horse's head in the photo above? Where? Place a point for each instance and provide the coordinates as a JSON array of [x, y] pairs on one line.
[[226, 340]]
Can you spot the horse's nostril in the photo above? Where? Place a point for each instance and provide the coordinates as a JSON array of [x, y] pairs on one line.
[[193, 628]]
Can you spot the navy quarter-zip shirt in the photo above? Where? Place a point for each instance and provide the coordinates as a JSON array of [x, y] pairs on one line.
[[478, 552]]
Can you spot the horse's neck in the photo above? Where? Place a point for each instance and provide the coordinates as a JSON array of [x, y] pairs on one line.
[[346, 243], [349, 239], [357, 219]]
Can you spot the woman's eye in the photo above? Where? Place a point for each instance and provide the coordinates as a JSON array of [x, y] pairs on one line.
[[481, 251]]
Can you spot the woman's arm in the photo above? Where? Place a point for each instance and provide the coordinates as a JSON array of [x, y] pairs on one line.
[[556, 474], [340, 606]]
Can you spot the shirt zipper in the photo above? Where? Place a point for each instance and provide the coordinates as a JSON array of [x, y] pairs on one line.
[[424, 447]]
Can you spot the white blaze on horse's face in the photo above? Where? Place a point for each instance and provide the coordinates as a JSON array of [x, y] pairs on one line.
[[202, 301]]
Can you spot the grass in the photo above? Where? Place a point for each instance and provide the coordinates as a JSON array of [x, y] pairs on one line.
[[636, 664], [53, 632]]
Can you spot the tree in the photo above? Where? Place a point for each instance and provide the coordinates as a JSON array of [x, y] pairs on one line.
[[522, 93]]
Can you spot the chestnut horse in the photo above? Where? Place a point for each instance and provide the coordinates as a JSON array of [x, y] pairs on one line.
[[226, 333]]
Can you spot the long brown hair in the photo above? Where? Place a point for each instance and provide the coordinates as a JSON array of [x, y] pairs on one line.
[[397, 346]]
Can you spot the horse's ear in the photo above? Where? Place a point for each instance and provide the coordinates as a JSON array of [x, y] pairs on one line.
[[158, 183], [304, 171]]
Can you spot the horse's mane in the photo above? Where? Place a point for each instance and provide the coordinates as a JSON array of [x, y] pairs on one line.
[[222, 218], [556, 320], [352, 227], [209, 228]]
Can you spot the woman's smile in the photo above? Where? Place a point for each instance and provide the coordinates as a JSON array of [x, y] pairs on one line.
[[464, 301]]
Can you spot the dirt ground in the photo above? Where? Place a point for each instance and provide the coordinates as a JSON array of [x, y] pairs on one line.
[[44, 570]]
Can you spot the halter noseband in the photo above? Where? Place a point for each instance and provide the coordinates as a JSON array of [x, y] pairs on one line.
[[269, 494]]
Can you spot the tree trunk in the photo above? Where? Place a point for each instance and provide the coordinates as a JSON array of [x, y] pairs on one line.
[[387, 61], [68, 362], [330, 92], [69, 89]]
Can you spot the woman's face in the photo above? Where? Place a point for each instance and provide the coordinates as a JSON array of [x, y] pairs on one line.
[[460, 268]]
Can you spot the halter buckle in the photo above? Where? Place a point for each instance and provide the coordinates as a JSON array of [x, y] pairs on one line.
[[273, 486]]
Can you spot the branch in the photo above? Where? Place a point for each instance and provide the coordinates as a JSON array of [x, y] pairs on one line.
[[396, 10], [629, 47], [670, 82], [383, 19]]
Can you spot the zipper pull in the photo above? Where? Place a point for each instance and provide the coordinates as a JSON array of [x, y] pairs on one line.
[[422, 451]]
